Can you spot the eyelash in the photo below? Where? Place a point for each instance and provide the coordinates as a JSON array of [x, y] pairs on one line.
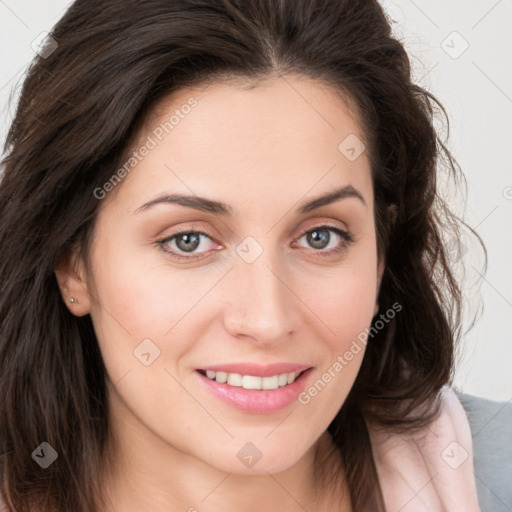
[[346, 236]]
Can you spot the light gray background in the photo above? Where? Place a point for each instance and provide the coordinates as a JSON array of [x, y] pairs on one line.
[[476, 89]]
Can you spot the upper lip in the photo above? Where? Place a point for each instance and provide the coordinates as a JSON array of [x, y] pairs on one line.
[[258, 370]]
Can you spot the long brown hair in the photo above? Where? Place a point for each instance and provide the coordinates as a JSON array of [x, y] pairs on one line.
[[79, 108]]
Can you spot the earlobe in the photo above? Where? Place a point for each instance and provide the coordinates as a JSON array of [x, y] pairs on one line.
[[70, 276]]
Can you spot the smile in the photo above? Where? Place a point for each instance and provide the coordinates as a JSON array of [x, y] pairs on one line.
[[256, 389]]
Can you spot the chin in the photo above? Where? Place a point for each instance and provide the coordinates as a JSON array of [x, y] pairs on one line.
[[255, 459]]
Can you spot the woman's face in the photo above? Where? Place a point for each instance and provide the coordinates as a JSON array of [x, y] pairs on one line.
[[259, 287]]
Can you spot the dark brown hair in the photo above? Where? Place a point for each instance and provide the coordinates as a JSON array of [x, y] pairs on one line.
[[78, 110]]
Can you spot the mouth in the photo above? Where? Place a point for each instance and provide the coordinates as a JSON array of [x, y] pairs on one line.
[[257, 394]]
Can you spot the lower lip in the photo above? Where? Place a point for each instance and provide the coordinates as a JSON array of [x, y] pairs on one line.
[[255, 400]]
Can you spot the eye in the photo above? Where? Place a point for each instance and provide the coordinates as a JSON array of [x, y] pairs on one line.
[[320, 238], [185, 242]]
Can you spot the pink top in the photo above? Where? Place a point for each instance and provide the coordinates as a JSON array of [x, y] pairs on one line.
[[430, 471]]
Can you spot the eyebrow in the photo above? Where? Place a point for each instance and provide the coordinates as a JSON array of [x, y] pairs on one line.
[[337, 195], [222, 209]]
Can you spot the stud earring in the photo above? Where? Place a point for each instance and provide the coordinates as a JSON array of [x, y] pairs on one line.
[[73, 300]]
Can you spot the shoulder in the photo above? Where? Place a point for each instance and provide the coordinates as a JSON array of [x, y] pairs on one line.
[[491, 427], [430, 470]]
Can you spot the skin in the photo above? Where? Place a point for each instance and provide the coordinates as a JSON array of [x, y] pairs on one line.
[[264, 151]]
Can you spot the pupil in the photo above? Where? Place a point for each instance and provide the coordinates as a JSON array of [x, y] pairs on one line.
[[191, 241], [319, 238]]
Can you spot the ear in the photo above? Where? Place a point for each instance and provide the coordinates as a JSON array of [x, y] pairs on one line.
[[71, 278]]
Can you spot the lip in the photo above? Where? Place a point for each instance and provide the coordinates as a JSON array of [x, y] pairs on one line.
[[254, 400], [258, 370]]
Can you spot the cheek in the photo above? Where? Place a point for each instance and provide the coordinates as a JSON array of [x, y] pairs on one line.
[[344, 304], [344, 297], [350, 313], [348, 303], [143, 299]]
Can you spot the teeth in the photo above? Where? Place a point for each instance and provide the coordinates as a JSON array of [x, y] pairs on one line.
[[251, 381], [270, 382], [220, 377], [234, 379]]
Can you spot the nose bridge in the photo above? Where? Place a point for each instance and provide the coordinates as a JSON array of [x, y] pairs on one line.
[[260, 303]]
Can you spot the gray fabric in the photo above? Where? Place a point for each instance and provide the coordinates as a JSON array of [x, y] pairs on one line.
[[491, 431]]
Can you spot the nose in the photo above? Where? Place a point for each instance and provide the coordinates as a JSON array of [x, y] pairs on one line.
[[261, 303]]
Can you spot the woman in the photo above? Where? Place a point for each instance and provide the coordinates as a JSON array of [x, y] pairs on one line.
[[224, 284]]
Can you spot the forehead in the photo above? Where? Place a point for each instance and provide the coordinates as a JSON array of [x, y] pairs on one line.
[[280, 137]]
